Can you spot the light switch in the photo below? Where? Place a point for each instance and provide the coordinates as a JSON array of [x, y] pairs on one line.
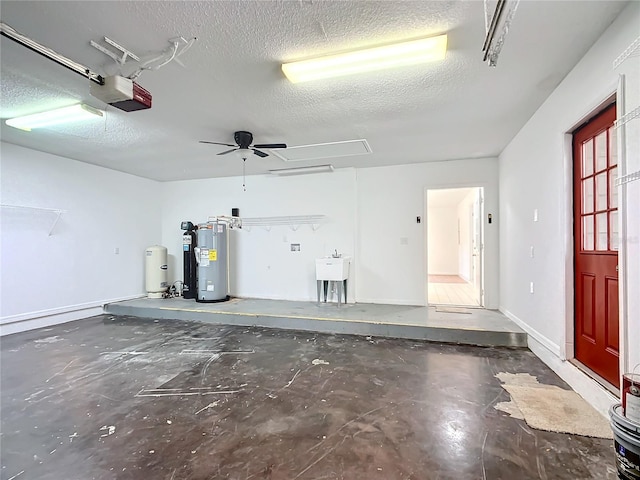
[[531, 253], [535, 214]]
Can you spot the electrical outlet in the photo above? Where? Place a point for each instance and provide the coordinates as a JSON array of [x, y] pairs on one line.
[[116, 251], [531, 287]]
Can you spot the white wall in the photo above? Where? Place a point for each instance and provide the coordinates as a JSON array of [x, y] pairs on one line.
[[442, 242], [391, 263], [262, 263], [370, 213], [535, 173], [75, 268]]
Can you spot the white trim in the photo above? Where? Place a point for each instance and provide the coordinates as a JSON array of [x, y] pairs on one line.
[[585, 386], [623, 221], [548, 344], [568, 350], [47, 321], [547, 351], [53, 316], [600, 102]]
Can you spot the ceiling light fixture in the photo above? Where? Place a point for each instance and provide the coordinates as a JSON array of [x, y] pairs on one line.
[[74, 113], [366, 60], [243, 153], [302, 170]]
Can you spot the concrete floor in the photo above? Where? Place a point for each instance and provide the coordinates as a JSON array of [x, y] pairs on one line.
[[466, 326], [131, 398]]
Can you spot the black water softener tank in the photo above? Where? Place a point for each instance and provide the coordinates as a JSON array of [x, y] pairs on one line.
[[189, 240]]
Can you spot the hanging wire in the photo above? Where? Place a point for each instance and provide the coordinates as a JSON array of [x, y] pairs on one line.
[[172, 53]]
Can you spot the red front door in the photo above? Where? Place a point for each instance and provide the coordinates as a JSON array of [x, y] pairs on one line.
[[596, 246]]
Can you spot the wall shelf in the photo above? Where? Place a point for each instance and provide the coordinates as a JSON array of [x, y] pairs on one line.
[[629, 177], [630, 51], [28, 209], [294, 221], [626, 118]]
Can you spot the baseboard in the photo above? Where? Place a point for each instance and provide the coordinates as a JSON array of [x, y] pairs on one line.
[[547, 351], [54, 316], [48, 321], [533, 333]]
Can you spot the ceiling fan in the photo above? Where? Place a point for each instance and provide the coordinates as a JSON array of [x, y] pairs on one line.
[[243, 145]]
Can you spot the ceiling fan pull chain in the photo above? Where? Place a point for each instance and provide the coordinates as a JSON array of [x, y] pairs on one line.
[[244, 164]]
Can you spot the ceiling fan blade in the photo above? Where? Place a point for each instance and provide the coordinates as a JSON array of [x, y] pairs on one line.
[[259, 153], [271, 145], [218, 143], [227, 151]]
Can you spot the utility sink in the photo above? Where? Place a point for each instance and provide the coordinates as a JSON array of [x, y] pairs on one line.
[[332, 268]]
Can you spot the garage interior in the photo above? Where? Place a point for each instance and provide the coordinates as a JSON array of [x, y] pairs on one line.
[[528, 117]]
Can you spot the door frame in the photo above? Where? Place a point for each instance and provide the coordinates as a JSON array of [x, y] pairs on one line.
[[481, 188], [599, 103], [477, 261], [599, 263]]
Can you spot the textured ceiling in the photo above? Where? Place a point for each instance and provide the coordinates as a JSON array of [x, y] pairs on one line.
[[231, 79]]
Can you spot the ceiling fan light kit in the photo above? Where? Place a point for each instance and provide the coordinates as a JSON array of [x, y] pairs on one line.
[[73, 113], [400, 54]]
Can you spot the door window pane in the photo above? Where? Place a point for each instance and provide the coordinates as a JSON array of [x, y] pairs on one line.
[[587, 195], [601, 151], [601, 191], [587, 232], [587, 158], [613, 228], [613, 148], [613, 190], [601, 229]]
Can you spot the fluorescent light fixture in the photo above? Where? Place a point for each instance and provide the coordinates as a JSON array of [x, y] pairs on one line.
[[302, 170], [401, 54], [74, 113]]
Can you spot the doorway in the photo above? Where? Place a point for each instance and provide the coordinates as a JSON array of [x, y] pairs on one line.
[[596, 246], [455, 247]]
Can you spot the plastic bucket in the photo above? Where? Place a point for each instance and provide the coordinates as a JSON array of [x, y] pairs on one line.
[[626, 438]]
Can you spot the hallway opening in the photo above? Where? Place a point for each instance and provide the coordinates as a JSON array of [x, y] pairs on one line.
[[455, 247]]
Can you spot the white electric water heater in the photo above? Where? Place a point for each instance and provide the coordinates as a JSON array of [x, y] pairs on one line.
[[211, 256], [155, 267]]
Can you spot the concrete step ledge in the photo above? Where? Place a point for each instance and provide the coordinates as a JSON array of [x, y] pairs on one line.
[[329, 325]]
